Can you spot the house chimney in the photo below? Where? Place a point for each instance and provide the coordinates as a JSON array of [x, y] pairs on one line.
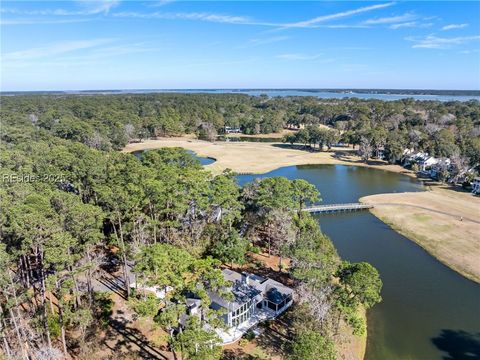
[[245, 279]]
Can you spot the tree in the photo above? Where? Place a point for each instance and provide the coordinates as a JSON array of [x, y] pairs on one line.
[[275, 193], [311, 345], [361, 284], [289, 138], [225, 195], [163, 265], [167, 122], [394, 147], [365, 149], [313, 258], [197, 343], [168, 318], [444, 143], [315, 136], [304, 192], [303, 137], [207, 131], [230, 249]]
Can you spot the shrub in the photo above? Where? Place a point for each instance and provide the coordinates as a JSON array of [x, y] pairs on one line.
[[249, 335], [243, 342], [54, 325], [255, 249], [104, 306], [146, 306]]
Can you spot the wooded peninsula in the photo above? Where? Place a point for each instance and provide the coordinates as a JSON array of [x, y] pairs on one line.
[[110, 254]]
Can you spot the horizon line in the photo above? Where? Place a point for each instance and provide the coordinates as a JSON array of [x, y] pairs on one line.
[[239, 89]]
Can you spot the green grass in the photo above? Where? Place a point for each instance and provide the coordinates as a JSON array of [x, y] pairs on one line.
[[422, 217]]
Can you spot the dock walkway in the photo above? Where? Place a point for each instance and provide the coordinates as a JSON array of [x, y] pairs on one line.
[[316, 209]]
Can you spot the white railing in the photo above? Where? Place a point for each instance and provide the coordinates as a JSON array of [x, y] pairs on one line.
[[337, 207]]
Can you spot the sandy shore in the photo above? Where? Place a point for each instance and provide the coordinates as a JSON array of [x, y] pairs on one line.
[[446, 223], [257, 158]]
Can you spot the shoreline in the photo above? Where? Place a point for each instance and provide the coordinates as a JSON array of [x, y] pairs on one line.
[[408, 213], [260, 158], [450, 234]]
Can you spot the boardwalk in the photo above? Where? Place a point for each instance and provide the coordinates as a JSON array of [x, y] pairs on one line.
[[337, 207]]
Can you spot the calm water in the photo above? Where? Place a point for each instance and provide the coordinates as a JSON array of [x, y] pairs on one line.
[[428, 311], [320, 93], [330, 95]]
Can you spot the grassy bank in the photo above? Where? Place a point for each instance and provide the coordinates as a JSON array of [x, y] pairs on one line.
[[257, 158], [349, 346], [442, 221]]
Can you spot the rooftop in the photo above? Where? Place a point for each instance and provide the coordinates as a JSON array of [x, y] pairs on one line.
[[246, 286]]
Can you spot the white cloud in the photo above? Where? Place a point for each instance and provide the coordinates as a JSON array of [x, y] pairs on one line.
[[88, 7], [40, 21], [391, 19], [404, 25], [98, 6], [434, 42], [319, 19], [411, 24], [65, 54], [345, 26], [53, 49], [218, 18], [454, 26]]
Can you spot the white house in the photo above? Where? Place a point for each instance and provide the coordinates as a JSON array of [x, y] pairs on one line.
[[476, 185], [427, 164], [255, 299], [410, 157], [232, 130]]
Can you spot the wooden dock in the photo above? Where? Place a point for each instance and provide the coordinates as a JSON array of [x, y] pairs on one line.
[[330, 208]]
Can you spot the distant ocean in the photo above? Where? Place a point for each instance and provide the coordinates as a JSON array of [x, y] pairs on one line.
[[380, 94]]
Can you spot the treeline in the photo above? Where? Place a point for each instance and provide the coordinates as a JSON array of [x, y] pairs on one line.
[[443, 129], [105, 122], [314, 135], [70, 212]]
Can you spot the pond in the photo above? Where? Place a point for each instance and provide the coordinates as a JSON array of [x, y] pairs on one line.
[[428, 311]]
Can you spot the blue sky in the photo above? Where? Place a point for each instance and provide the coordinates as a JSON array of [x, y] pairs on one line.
[[72, 45]]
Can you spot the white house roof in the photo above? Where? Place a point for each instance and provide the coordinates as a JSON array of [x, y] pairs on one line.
[[246, 286]]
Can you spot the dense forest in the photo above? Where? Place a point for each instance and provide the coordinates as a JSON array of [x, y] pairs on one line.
[[73, 209], [443, 129]]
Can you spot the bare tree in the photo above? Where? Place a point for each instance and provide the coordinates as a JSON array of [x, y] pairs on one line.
[[365, 149]]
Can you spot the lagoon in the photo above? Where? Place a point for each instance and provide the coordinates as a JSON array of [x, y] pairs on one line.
[[428, 311]]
